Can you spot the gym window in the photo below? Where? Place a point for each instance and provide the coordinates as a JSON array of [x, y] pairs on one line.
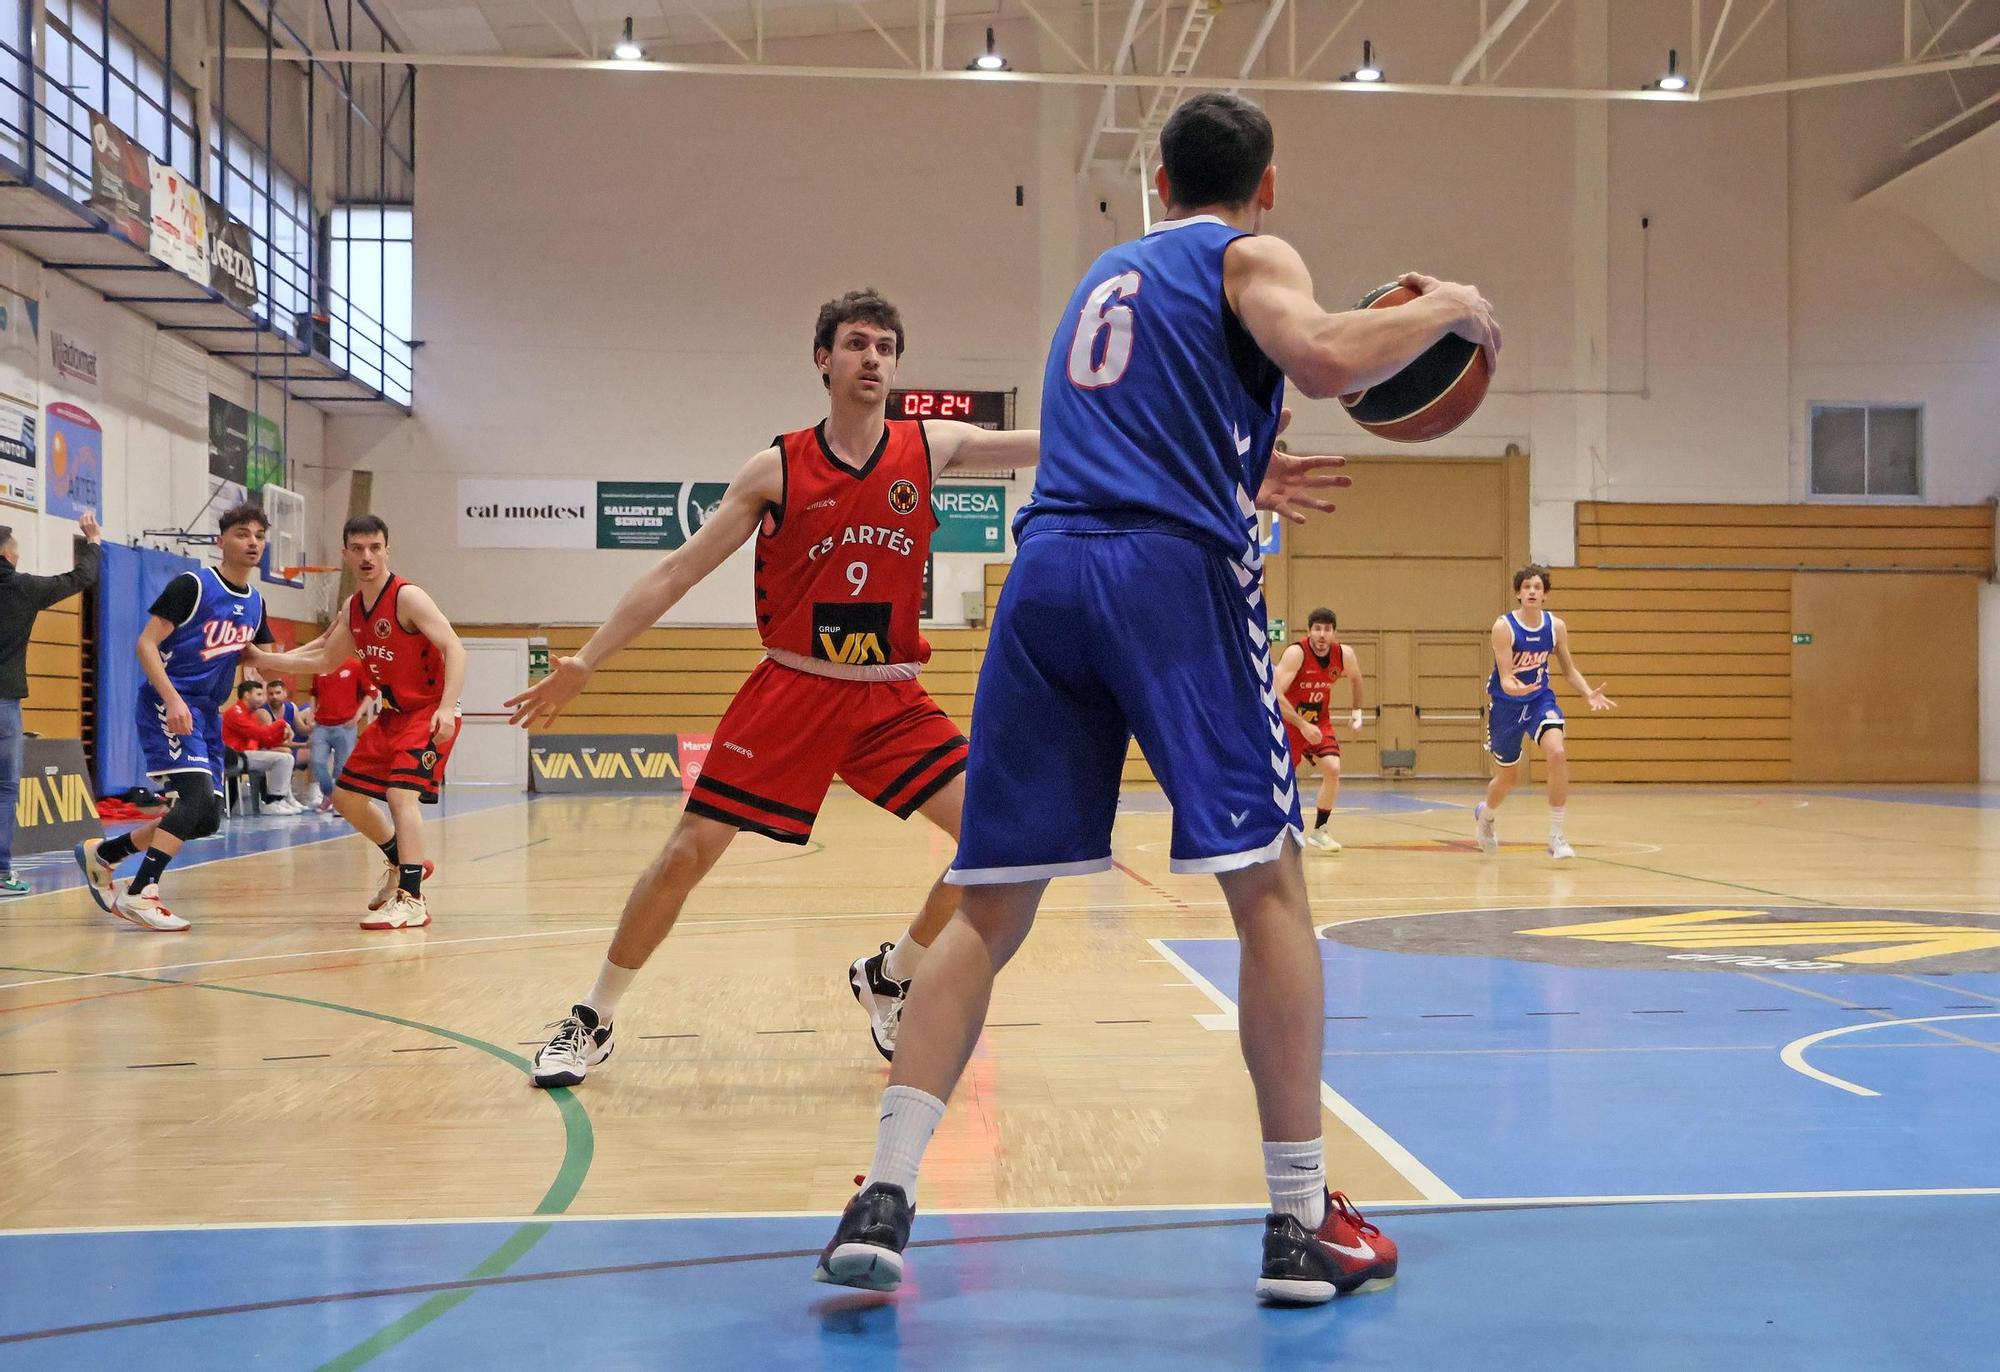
[[371, 268], [1867, 451]]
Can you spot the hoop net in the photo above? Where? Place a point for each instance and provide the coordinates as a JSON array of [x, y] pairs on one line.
[[322, 586]]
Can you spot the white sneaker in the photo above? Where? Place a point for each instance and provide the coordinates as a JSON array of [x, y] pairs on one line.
[[881, 996], [401, 911], [1559, 847], [580, 1043], [386, 889], [146, 911], [1484, 826], [1322, 840], [102, 886], [284, 805]]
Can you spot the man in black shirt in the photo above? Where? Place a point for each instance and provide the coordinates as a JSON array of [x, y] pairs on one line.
[[22, 597]]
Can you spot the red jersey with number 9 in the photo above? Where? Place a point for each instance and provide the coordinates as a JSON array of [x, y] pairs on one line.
[[840, 562], [403, 663]]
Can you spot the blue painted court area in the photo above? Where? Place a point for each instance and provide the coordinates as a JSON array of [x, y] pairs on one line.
[[1511, 1078], [1868, 1283], [57, 871]]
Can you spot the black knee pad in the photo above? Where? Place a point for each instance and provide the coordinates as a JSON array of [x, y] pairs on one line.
[[197, 811]]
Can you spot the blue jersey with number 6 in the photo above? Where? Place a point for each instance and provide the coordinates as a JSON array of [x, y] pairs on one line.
[[1156, 401]]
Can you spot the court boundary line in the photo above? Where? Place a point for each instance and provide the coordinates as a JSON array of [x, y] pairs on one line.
[[456, 1292], [1405, 1163], [1793, 1054], [1461, 1204]]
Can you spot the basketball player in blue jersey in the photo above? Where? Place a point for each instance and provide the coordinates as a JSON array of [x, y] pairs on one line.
[[1524, 706], [197, 629], [1160, 408]]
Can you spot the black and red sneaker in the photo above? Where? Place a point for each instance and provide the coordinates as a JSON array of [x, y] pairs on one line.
[[867, 1249], [1345, 1254]]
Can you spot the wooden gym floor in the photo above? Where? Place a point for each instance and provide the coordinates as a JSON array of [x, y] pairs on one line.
[[1770, 1012]]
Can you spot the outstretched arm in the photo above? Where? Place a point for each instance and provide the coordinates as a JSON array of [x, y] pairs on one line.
[[329, 650], [1325, 354], [1594, 694], [957, 446], [756, 489]]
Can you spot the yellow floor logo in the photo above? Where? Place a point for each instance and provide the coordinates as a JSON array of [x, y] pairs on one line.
[[1886, 940], [1819, 939]]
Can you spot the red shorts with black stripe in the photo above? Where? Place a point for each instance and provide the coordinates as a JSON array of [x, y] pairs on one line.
[[1328, 745], [788, 734], [397, 752]]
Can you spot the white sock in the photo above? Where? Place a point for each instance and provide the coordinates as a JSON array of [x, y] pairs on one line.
[[909, 1117], [901, 964], [1555, 821], [1296, 1174], [612, 983]]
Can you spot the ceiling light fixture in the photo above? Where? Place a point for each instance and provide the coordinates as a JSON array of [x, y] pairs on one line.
[[627, 50]]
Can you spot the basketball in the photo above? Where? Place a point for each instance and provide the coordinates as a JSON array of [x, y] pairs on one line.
[[1430, 397]]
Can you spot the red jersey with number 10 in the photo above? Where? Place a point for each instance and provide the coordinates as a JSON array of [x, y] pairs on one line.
[[403, 663], [840, 564], [1311, 692]]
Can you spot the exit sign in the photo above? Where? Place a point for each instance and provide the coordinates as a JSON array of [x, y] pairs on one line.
[[1801, 639]]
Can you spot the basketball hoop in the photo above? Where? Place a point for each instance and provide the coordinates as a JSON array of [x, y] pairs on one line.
[[322, 584]]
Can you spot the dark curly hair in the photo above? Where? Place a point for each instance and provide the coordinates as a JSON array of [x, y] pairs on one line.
[[865, 306]]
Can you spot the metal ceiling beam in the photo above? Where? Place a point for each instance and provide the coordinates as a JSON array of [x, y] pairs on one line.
[[1526, 39], [1109, 104], [1115, 80], [855, 5], [1486, 41], [1332, 34], [1054, 36], [1196, 24], [1707, 53], [1851, 78], [1928, 134], [1938, 36], [561, 32], [1714, 71]]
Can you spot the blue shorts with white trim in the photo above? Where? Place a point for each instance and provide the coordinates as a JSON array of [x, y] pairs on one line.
[[1514, 718], [167, 752], [1111, 629]]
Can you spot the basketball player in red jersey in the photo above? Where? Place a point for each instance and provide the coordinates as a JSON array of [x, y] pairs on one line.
[[1304, 681], [415, 659], [842, 517]]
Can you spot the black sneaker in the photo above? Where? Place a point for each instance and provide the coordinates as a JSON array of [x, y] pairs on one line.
[[1346, 1254], [881, 997], [867, 1249], [580, 1043]]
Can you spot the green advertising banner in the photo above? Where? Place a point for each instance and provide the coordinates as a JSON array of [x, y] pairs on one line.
[[244, 448], [653, 514], [971, 519]]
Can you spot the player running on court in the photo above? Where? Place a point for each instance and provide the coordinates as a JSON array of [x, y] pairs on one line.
[[196, 631], [1306, 674], [1161, 402], [842, 517], [415, 660], [1524, 706]]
